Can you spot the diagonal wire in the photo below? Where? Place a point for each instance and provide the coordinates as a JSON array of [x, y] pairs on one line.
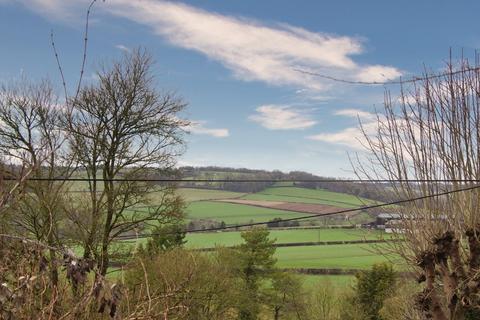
[[255, 180], [392, 82], [252, 224]]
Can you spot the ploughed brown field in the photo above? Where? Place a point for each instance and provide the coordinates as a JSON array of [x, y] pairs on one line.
[[287, 206]]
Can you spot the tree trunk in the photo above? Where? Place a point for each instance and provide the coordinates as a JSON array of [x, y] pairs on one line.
[[430, 302], [105, 259], [276, 314]]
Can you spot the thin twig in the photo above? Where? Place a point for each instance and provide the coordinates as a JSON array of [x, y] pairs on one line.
[[59, 65], [85, 45], [147, 286], [84, 58]]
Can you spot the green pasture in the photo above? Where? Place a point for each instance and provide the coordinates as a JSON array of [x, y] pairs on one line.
[[304, 195], [234, 213], [346, 256], [212, 239], [342, 256], [192, 194]]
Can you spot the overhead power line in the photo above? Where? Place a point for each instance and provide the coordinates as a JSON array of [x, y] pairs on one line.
[[252, 224], [392, 82], [251, 180]]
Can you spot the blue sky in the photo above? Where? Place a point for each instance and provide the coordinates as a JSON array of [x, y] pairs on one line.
[[236, 62]]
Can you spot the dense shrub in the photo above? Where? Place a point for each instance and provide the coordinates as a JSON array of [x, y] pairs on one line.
[[179, 284], [371, 289]]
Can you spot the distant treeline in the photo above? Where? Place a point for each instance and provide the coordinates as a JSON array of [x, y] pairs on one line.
[[369, 191], [230, 173]]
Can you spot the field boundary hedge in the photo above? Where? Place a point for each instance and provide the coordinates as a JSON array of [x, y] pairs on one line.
[[314, 243], [352, 226], [335, 271], [323, 271]]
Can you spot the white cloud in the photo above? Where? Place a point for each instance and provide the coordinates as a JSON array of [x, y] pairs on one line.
[[375, 129], [279, 117], [198, 127], [61, 10], [352, 137], [377, 73], [356, 113], [123, 48], [250, 49]]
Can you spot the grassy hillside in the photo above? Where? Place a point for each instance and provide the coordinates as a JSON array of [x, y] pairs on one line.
[[303, 195], [347, 256], [192, 194], [240, 213], [234, 213], [201, 206], [343, 256], [209, 240]]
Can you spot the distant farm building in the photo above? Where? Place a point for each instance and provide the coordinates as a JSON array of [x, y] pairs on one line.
[[389, 222], [385, 221]]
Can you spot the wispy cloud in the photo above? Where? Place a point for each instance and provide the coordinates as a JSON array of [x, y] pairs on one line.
[[280, 117], [121, 47], [251, 49], [356, 113], [199, 127], [352, 137], [66, 11], [377, 73]]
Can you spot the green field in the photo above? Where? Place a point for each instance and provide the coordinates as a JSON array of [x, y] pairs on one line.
[[342, 256], [238, 213], [200, 206], [347, 256], [303, 195], [192, 194], [234, 213], [195, 194], [209, 240]]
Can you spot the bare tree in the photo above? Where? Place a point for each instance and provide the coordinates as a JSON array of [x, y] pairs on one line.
[[31, 135], [122, 128], [432, 132]]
